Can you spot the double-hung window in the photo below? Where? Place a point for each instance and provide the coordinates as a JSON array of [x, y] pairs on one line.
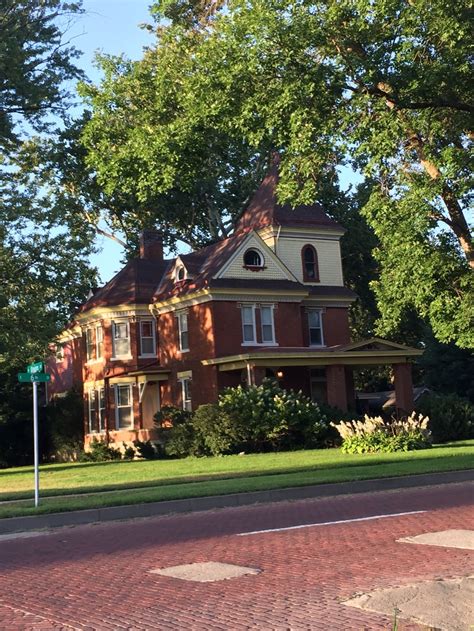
[[183, 331], [147, 337], [315, 324], [101, 406], [267, 323], [123, 406], [248, 324], [99, 341], [92, 411], [186, 394], [121, 339], [89, 344]]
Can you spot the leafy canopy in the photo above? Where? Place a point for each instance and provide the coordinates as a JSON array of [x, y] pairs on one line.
[[382, 86]]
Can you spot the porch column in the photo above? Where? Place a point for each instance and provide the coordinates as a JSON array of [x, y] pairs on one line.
[[255, 375], [336, 387], [403, 388]]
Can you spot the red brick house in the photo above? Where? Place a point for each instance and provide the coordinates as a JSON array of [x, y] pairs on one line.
[[269, 300]]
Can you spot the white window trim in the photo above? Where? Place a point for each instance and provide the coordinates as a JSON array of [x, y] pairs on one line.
[[101, 420], [98, 353], [183, 393], [254, 324], [153, 354], [89, 410], [115, 356], [320, 311], [272, 311], [90, 347], [116, 390], [179, 315]]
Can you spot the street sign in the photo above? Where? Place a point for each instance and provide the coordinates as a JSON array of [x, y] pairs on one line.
[[35, 367], [30, 377]]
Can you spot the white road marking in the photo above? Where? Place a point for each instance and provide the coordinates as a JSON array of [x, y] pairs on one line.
[[329, 523]]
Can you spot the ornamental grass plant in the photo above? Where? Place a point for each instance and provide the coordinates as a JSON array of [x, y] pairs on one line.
[[376, 435]]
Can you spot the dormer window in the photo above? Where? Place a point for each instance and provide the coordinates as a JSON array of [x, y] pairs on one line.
[[253, 259], [310, 264], [180, 273]]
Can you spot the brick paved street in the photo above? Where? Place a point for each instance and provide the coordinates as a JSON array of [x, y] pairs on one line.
[[97, 577]]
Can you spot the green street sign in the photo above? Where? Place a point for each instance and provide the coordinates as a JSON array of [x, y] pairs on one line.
[[35, 367], [29, 377]]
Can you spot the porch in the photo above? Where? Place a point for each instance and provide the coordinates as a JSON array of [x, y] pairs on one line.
[[325, 374]]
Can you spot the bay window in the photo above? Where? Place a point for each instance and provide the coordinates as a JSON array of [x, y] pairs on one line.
[[89, 344], [99, 341]]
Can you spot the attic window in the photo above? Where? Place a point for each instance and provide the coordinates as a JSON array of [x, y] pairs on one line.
[[180, 274], [253, 259]]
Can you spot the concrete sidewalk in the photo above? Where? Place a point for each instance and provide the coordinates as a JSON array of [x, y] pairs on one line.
[[111, 513]]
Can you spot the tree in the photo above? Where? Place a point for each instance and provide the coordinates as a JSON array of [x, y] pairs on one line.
[[45, 273], [34, 63], [382, 86]]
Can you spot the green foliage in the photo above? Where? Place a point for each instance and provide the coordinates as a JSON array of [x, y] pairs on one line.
[[169, 414], [384, 87], [128, 452], [451, 417], [216, 430], [381, 442], [35, 63], [374, 435], [145, 449], [259, 418], [268, 417], [100, 451], [64, 424]]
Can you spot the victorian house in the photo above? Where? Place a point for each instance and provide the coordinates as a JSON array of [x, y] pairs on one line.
[[269, 300]]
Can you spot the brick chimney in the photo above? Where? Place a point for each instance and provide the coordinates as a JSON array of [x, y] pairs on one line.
[[151, 245]]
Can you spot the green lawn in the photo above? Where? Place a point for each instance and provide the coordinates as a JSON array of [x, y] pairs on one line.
[[118, 483]]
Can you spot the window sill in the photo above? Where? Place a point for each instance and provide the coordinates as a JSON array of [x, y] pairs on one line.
[[317, 346], [91, 362], [183, 350], [148, 356], [121, 358], [260, 344]]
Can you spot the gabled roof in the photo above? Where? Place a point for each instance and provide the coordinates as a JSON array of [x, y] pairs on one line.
[[264, 209], [202, 264], [134, 284]]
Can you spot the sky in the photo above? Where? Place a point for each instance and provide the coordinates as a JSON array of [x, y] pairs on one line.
[[109, 26]]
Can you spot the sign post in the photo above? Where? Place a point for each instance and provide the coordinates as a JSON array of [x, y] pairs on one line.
[[35, 375]]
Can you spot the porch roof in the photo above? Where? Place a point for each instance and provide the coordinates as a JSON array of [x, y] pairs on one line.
[[365, 353]]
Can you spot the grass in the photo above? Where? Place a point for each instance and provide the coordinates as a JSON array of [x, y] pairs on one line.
[[93, 485]]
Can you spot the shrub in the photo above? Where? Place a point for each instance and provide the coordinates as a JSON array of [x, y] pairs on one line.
[[374, 435], [128, 452], [171, 415], [451, 417], [214, 431], [145, 450], [267, 417], [100, 451]]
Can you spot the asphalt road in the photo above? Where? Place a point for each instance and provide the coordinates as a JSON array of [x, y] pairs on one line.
[[313, 555]]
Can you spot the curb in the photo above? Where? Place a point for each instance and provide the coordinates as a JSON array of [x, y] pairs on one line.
[[130, 511]]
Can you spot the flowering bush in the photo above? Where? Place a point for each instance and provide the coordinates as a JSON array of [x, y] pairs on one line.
[[373, 434]]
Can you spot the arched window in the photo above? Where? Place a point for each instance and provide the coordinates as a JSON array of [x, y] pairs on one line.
[[253, 258], [180, 273], [310, 264]]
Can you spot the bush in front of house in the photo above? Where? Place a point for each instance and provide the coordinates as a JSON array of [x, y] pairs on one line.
[[374, 435], [100, 451], [254, 419], [451, 417]]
